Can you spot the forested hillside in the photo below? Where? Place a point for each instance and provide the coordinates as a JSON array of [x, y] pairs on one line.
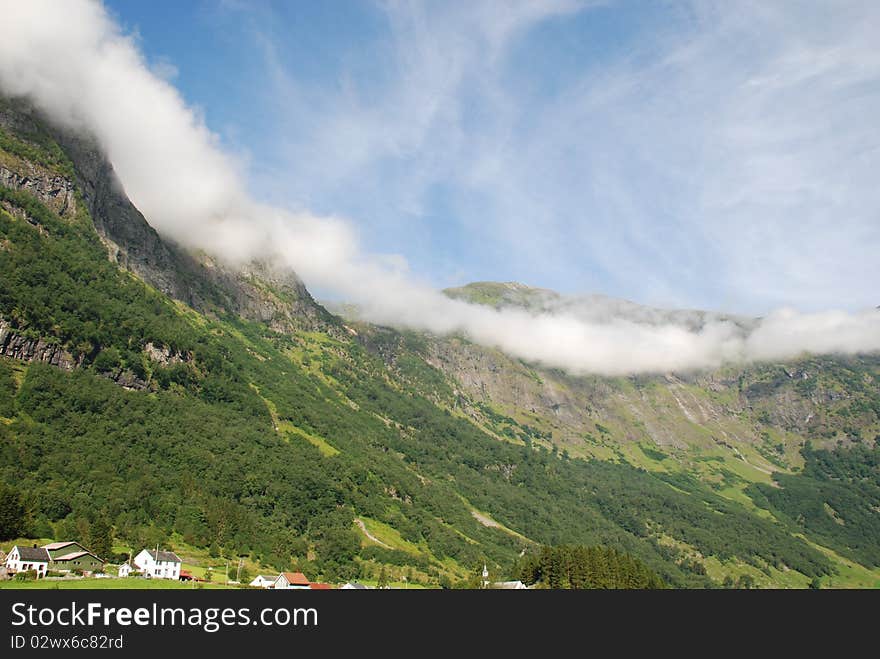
[[233, 413]]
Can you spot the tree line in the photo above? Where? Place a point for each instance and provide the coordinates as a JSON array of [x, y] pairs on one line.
[[576, 567]]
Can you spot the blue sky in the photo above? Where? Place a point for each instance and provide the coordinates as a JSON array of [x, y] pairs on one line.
[[716, 155]]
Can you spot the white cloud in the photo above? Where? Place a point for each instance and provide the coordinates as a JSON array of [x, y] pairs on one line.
[[72, 60]]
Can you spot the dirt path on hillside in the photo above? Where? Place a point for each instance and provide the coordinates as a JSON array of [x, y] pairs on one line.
[[370, 536], [485, 521]]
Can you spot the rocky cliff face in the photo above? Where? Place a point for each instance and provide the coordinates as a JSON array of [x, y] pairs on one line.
[[18, 346], [130, 240], [256, 292], [53, 190]]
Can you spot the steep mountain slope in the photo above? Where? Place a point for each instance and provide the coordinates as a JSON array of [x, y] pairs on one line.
[[187, 402], [764, 411], [738, 430], [73, 177]]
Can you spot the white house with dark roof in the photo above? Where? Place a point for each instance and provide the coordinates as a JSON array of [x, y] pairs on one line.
[[157, 564], [22, 559]]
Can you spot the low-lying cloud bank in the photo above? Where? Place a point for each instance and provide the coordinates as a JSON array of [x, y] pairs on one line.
[[75, 64]]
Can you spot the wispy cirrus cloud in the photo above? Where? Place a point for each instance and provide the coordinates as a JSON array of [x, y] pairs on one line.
[[722, 157]]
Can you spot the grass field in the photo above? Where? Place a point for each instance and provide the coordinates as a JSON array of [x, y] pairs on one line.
[[130, 583], [320, 443]]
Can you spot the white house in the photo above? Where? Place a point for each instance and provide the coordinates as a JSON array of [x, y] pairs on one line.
[[157, 564], [354, 585], [291, 581], [126, 569], [262, 581], [22, 559]]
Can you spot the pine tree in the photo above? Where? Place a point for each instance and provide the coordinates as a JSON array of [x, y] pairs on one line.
[[578, 567], [101, 538], [13, 515]]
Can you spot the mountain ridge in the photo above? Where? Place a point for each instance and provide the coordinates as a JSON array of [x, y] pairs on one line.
[[593, 307]]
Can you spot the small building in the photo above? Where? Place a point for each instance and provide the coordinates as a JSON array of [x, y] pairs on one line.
[[320, 586], [126, 570], [83, 561], [186, 575], [354, 585], [23, 559], [157, 564], [263, 581], [291, 581]]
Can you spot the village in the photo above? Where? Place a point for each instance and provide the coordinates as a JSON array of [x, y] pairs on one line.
[[71, 560]]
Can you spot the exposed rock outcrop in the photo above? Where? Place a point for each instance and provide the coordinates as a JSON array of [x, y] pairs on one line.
[[16, 345], [165, 356], [128, 380], [55, 191]]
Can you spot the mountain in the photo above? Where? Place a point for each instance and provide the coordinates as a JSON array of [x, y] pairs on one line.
[[193, 404], [594, 308], [76, 180]]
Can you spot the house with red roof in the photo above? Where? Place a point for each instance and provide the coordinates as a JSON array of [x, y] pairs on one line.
[[291, 581]]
